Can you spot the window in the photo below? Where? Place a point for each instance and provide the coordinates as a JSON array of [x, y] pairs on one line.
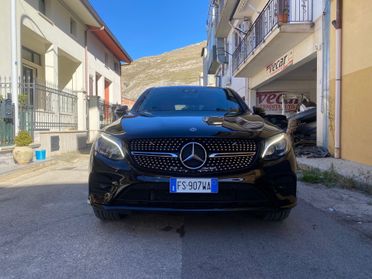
[[106, 59], [236, 39], [116, 68], [42, 6], [72, 27], [91, 85], [31, 56]]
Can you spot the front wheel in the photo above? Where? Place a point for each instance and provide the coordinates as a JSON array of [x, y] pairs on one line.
[[276, 215], [106, 215]]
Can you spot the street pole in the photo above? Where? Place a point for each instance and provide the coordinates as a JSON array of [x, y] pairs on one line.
[[13, 15]]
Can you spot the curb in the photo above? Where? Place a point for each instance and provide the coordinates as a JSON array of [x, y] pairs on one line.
[[26, 169], [365, 187]]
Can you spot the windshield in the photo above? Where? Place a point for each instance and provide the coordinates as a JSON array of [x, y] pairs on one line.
[[190, 99]]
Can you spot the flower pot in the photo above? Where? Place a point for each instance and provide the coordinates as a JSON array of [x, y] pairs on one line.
[[283, 18], [23, 154]]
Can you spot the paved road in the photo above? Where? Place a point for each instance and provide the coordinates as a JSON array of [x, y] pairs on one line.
[[49, 231]]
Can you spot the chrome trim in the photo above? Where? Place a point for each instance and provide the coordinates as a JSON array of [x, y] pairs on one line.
[[193, 156], [154, 154], [231, 154], [231, 180]]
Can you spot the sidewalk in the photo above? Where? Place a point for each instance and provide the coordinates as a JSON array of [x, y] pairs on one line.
[[9, 170], [360, 173]]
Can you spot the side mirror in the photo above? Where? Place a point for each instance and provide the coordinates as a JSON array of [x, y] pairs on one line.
[[121, 111]]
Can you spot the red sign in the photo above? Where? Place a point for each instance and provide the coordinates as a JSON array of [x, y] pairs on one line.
[[280, 64], [272, 102]]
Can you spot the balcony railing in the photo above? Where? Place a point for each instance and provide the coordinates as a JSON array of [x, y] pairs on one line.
[[276, 12]]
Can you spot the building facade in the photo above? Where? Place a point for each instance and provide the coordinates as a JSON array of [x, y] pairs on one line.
[[223, 38], [285, 51], [66, 59], [355, 60]]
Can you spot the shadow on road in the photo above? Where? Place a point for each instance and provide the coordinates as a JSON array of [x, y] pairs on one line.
[[53, 227]]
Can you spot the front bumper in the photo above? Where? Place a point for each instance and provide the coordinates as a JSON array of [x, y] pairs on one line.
[[117, 186]]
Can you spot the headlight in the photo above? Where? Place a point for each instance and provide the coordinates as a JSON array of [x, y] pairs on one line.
[[276, 147], [110, 147]]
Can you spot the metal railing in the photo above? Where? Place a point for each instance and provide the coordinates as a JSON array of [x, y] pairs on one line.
[[42, 107], [276, 12], [106, 113], [48, 107], [6, 113]]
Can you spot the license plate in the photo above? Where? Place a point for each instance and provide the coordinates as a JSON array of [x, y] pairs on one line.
[[194, 185]]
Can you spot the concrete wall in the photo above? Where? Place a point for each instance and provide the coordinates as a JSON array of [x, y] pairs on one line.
[[70, 141], [356, 127]]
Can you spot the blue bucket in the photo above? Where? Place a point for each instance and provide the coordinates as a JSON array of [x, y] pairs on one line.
[[40, 155]]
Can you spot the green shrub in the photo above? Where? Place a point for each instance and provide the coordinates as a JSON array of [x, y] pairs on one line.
[[23, 99], [23, 139]]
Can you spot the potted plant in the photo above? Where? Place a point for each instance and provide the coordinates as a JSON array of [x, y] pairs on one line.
[[283, 11], [23, 153]]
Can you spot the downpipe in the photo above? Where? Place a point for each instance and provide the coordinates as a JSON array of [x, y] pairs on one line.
[[338, 26]]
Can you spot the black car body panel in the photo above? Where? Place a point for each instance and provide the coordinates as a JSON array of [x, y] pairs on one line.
[[125, 185]]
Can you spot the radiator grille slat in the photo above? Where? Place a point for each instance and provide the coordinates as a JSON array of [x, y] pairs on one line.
[[173, 165]]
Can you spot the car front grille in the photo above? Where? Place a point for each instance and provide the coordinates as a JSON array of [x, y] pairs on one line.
[[224, 155]]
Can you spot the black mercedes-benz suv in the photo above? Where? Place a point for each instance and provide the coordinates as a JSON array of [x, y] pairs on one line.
[[192, 149]]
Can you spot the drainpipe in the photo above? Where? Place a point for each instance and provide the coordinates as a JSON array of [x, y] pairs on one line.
[[338, 25], [13, 23]]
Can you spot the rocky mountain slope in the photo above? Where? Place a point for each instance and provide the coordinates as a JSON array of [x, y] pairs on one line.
[[178, 67]]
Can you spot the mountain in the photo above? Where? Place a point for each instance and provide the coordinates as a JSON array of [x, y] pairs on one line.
[[178, 67]]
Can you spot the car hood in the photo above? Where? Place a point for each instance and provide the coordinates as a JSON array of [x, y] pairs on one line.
[[201, 125]]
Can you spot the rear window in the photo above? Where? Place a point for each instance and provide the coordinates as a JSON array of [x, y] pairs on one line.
[[189, 99]]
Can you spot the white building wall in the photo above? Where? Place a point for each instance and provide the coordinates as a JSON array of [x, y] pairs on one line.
[[96, 64], [63, 54], [5, 45], [227, 79]]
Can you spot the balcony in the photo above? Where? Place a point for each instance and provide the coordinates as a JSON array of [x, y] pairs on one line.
[[281, 25], [224, 12], [210, 61]]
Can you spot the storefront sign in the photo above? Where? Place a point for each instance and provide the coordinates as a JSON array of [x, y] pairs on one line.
[[280, 64], [272, 102]]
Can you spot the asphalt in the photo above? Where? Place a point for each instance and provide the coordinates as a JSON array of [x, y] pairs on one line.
[[49, 231]]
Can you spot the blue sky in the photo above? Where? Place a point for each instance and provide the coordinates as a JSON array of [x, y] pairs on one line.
[[151, 27]]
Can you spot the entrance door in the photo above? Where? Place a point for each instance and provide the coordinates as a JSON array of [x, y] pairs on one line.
[[29, 75]]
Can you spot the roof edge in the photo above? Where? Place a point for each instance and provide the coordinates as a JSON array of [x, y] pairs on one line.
[[94, 13]]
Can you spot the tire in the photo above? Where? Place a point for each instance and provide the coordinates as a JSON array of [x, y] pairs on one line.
[[106, 215], [277, 215]]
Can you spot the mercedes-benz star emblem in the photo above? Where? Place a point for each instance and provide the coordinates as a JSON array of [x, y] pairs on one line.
[[193, 155]]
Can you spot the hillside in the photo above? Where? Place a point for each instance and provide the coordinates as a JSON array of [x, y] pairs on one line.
[[178, 67]]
